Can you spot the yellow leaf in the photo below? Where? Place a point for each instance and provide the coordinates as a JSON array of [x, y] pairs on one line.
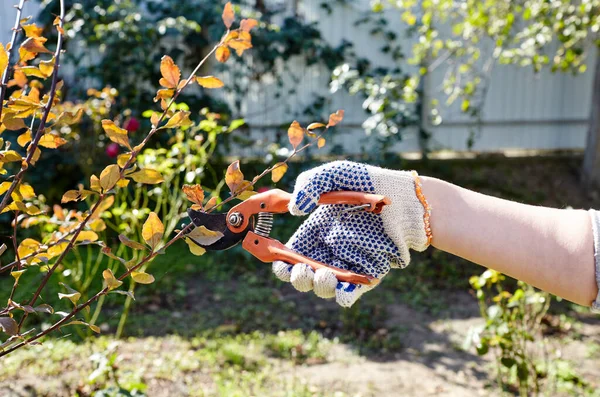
[[58, 22], [194, 193], [209, 82], [130, 243], [170, 72], [95, 183], [321, 142], [147, 175], [10, 156], [179, 119], [51, 141], [35, 45], [142, 278], [154, 119], [87, 235], [47, 67], [295, 134], [335, 118], [3, 59], [111, 280], [12, 123], [234, 176], [26, 191], [27, 247], [228, 15], [57, 249], [32, 30], [116, 134], [123, 182], [4, 186], [203, 236], [72, 295], [212, 202], [36, 156], [97, 225], [278, 172], [24, 138], [109, 177], [194, 248], [246, 195], [19, 77], [153, 230], [247, 24], [122, 159], [240, 45], [313, 126], [93, 327], [17, 274], [106, 204], [164, 93], [222, 54]]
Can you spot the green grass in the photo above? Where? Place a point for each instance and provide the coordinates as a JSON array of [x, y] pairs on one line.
[[205, 365], [222, 324]]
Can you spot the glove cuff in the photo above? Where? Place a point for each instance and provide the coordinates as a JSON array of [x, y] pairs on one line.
[[403, 220]]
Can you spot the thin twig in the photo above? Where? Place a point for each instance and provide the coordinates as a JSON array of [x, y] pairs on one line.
[[13, 42], [16, 262], [149, 257], [121, 175], [40, 131]]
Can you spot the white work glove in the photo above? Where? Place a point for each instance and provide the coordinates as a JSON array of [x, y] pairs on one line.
[[360, 241]]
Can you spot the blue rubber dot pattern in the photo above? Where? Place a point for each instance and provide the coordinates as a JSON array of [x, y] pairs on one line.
[[355, 240]]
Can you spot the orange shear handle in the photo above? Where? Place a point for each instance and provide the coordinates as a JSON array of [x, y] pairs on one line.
[[270, 250], [276, 201]]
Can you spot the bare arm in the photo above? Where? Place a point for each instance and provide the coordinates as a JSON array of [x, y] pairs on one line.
[[551, 249]]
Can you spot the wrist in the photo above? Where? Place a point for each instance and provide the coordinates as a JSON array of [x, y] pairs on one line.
[[404, 218]]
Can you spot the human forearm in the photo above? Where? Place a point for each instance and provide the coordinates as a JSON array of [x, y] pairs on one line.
[[549, 248]]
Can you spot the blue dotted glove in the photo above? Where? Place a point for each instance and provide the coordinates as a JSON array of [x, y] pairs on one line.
[[359, 241]]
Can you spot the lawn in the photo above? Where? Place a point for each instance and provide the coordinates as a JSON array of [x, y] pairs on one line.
[[222, 325]]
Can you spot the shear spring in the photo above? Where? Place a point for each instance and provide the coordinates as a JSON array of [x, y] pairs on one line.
[[264, 224]]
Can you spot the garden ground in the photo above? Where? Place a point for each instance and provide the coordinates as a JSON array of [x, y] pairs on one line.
[[222, 325]]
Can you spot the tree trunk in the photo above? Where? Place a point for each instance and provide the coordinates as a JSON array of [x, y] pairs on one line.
[[591, 160]]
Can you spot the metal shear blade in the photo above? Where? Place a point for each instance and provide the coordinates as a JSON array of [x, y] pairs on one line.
[[217, 223]]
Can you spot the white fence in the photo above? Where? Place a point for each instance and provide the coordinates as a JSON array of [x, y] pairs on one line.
[[522, 110]]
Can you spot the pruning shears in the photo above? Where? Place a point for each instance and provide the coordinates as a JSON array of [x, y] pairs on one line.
[[251, 222]]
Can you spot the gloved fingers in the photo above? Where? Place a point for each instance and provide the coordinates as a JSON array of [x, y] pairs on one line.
[[325, 283], [346, 294], [307, 191], [312, 183], [282, 270], [302, 277]]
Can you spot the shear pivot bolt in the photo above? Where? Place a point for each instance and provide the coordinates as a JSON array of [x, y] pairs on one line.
[[235, 219]]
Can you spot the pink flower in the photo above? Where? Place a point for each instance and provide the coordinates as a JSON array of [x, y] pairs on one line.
[[132, 124], [112, 150]]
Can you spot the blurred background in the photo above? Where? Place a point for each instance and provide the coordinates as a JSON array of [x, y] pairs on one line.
[[502, 97]]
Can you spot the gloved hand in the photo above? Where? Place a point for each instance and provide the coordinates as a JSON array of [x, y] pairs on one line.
[[359, 241]]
